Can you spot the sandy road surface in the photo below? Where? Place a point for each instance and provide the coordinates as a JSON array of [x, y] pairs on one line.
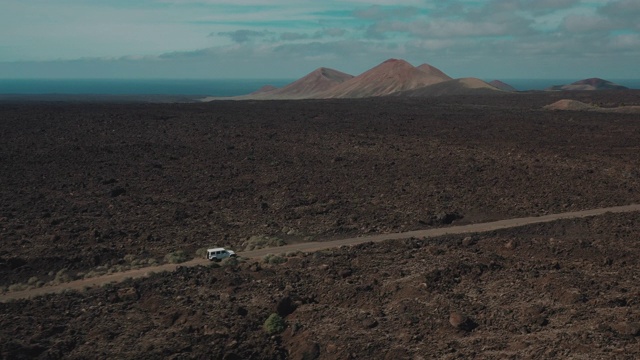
[[315, 246]]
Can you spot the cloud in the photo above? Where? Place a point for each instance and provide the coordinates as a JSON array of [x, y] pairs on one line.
[[315, 48], [625, 13], [626, 43], [377, 12], [330, 32], [320, 34], [242, 36], [545, 6], [439, 28], [352, 33], [586, 23], [622, 8], [292, 36]]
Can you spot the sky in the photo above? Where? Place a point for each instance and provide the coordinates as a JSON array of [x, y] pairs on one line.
[[281, 39]]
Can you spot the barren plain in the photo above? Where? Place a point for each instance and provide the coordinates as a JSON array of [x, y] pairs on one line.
[[88, 186]]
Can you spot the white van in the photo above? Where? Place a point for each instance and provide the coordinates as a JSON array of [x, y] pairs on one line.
[[219, 254]]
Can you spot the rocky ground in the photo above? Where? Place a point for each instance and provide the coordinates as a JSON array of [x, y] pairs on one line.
[[85, 186], [567, 289]]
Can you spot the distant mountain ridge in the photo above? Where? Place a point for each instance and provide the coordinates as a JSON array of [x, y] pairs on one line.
[[463, 86], [309, 86], [590, 84], [391, 76], [502, 85], [395, 77]]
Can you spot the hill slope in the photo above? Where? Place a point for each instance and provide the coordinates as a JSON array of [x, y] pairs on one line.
[[502, 85], [306, 87], [463, 86], [391, 76], [589, 85]]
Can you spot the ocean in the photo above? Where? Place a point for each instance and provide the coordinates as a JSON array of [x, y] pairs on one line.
[[203, 87], [136, 86]]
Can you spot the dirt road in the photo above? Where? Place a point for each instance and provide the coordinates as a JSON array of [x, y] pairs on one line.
[[316, 246]]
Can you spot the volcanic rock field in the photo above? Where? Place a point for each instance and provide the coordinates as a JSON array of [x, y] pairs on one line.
[[96, 187]]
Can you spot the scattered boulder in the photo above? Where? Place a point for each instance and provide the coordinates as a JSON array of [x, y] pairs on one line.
[[345, 273], [128, 294], [117, 191], [369, 323], [461, 321], [285, 306], [469, 241], [627, 328]]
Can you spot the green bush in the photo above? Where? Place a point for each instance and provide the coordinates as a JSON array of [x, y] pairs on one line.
[[201, 253], [61, 277], [262, 241], [19, 287], [274, 259], [233, 261], [274, 324], [176, 257]]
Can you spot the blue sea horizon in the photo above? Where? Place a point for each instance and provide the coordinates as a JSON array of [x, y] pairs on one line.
[[232, 87], [205, 87]]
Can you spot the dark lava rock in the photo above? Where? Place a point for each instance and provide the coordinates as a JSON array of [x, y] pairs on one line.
[[115, 192], [627, 328], [285, 306], [369, 323], [346, 273], [128, 294], [461, 322]]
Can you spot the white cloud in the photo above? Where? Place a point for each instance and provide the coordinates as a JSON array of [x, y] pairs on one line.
[[235, 33], [585, 23]]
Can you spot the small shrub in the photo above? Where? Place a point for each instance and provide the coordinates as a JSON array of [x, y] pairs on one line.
[[274, 259], [32, 280], [201, 253], [295, 327], [274, 324], [62, 277], [152, 261], [93, 273], [129, 258], [233, 261], [176, 257], [262, 241], [17, 287]]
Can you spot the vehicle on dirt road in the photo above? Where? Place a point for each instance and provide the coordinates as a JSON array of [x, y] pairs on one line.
[[218, 254]]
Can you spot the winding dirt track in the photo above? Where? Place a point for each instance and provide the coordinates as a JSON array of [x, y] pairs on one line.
[[316, 246]]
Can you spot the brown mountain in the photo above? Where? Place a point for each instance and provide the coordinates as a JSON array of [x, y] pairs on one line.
[[308, 86], [463, 86], [502, 85], [387, 78], [589, 84], [435, 72]]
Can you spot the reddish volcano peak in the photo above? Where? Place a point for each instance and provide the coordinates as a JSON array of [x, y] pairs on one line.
[[388, 77], [434, 71], [331, 74]]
